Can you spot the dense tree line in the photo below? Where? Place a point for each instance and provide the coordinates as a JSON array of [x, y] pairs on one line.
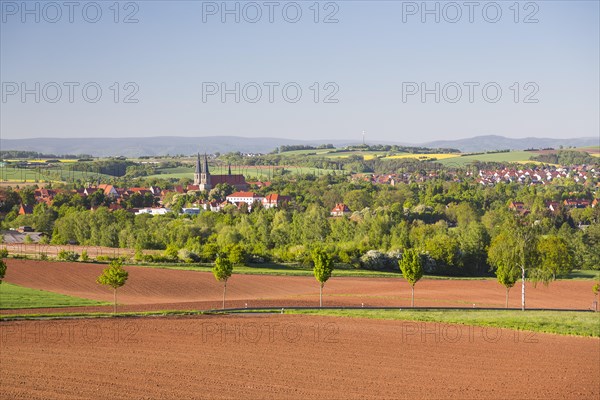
[[353, 163], [567, 157], [294, 147], [113, 167], [400, 149]]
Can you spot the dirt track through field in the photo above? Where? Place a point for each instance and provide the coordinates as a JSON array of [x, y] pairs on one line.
[[153, 289], [290, 357]]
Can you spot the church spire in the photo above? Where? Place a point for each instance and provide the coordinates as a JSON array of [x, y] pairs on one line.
[[205, 169], [198, 171]]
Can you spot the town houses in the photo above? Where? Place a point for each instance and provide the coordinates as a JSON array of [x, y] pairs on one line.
[[206, 193], [152, 200], [554, 206], [398, 178], [538, 176], [272, 200], [581, 174]]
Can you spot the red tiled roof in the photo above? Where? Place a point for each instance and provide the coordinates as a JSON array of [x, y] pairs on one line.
[[243, 194], [25, 209], [340, 207], [229, 179], [274, 198]]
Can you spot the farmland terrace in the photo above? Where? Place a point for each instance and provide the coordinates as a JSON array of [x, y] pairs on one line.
[[163, 289]]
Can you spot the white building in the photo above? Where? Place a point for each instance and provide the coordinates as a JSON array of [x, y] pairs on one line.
[[153, 211], [244, 197], [274, 200], [190, 211]]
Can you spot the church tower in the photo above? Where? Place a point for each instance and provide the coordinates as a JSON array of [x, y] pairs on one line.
[[198, 172], [203, 180], [204, 174]]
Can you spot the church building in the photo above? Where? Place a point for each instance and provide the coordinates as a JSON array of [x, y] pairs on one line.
[[205, 181]]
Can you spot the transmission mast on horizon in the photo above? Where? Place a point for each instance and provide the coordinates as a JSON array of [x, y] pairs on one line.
[[363, 134]]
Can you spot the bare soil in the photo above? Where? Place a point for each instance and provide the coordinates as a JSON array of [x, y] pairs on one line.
[[162, 289], [289, 357]]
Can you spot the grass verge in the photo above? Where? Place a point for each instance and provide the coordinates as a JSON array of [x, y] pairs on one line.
[[341, 270], [14, 296], [299, 270], [133, 314], [581, 274], [281, 270], [558, 322]]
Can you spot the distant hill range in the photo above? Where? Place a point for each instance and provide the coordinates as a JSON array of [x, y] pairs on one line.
[[494, 142], [152, 146], [174, 145]]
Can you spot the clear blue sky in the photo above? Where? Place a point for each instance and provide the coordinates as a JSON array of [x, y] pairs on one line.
[[369, 54]]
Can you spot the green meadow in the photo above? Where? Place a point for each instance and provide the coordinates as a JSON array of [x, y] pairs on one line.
[[14, 296]]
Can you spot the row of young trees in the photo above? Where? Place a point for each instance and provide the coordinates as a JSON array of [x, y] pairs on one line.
[[322, 267], [115, 275], [509, 265], [512, 259]]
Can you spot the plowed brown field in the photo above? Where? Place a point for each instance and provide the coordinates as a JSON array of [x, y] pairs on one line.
[[285, 356], [154, 289], [289, 357]]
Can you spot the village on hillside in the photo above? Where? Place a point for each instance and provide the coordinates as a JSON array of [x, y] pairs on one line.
[[216, 192]]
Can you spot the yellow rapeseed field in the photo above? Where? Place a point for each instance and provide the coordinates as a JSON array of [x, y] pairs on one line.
[[44, 160], [439, 156]]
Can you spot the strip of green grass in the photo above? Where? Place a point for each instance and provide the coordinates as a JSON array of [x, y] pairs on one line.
[[582, 274], [140, 314], [266, 269], [277, 269], [297, 270], [6, 317], [559, 322], [58, 174], [14, 296], [556, 322]]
